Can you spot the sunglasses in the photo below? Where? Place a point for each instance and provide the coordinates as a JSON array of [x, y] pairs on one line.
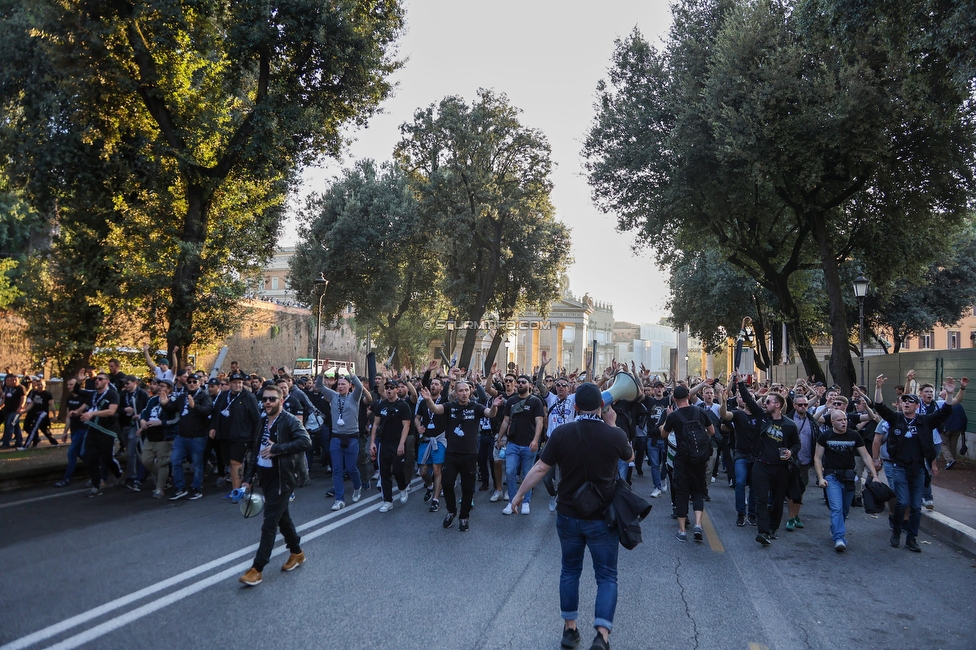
[[800, 406], [522, 381], [193, 380], [562, 385], [509, 381], [270, 398]]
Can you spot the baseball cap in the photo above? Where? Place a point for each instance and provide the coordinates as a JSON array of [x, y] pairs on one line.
[[681, 392], [588, 397]]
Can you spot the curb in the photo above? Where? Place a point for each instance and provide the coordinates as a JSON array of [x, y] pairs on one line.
[[949, 531]]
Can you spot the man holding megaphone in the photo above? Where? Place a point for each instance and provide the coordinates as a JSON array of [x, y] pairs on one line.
[[278, 459]]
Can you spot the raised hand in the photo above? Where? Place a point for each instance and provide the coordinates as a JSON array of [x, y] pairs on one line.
[[881, 379]]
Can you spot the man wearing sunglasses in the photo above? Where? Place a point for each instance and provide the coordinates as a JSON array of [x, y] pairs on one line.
[[909, 447], [277, 459], [195, 407], [522, 425]]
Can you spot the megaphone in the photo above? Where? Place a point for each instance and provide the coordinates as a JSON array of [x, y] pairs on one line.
[[251, 504], [624, 388]]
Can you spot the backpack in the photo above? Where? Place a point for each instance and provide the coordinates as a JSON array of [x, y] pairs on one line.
[[693, 444]]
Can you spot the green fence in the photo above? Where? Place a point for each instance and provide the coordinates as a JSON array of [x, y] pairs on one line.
[[931, 367]]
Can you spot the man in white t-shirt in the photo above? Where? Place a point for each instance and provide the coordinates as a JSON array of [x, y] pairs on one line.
[[561, 407], [161, 371]]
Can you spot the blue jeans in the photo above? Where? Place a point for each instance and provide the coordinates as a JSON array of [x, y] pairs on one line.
[[656, 452], [743, 469], [908, 487], [183, 447], [574, 536], [11, 430], [839, 500], [344, 460], [518, 459], [76, 449]]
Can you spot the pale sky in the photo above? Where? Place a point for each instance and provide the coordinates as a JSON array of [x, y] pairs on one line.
[[547, 56]]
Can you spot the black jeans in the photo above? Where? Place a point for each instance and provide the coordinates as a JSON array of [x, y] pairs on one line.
[[467, 466], [486, 446], [769, 482], [391, 466], [688, 481], [276, 518], [640, 452], [99, 448]]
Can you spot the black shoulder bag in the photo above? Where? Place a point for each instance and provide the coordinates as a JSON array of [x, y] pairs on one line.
[[588, 501]]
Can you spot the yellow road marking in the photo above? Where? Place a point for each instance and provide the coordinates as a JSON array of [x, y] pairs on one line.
[[712, 536], [757, 646]]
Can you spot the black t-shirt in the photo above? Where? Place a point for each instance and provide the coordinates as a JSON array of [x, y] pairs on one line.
[[433, 424], [689, 413], [12, 395], [73, 402], [463, 425], [100, 402], [588, 452], [392, 416], [840, 449], [521, 418], [39, 401], [655, 412]]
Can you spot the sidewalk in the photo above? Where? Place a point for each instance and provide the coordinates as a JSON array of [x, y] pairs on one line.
[[953, 520]]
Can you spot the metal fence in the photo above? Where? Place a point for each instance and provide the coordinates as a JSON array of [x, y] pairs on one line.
[[930, 366]]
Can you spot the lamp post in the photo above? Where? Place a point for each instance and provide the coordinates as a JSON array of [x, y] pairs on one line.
[[321, 284], [861, 290]]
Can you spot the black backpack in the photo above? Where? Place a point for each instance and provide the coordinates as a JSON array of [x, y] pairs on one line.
[[693, 443]]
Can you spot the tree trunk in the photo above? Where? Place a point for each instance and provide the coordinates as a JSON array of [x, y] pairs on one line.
[[496, 342], [795, 330], [484, 294], [186, 276], [841, 364]]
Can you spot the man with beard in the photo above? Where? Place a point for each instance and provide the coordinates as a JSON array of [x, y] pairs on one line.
[[195, 407], [432, 427], [463, 424], [391, 423], [103, 430], [278, 464], [524, 416], [235, 423]]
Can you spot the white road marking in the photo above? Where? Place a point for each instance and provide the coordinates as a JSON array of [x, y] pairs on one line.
[[44, 498], [84, 617]]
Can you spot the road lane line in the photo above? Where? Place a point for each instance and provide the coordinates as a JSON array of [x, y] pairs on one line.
[[45, 498], [124, 619], [101, 610], [711, 535]]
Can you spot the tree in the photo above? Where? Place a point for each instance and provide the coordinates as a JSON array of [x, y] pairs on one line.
[[203, 111], [837, 146], [366, 235], [482, 180]]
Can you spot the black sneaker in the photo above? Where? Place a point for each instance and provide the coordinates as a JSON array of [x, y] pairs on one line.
[[195, 494], [751, 520], [857, 502], [179, 494], [763, 539], [698, 534], [571, 638], [449, 520], [330, 493], [599, 643], [740, 520], [773, 535], [895, 540], [434, 506], [367, 486], [428, 495], [463, 525], [681, 536], [950, 464], [912, 545]]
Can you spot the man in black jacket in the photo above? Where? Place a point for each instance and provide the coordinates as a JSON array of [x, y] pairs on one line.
[[910, 446], [195, 406], [236, 423], [278, 461], [586, 450]]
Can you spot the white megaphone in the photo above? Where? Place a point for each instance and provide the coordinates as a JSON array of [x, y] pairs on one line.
[[624, 388]]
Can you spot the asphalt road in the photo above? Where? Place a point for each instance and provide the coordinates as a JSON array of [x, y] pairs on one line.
[[124, 570]]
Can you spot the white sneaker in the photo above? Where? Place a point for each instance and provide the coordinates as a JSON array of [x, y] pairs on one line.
[[713, 479], [403, 496], [928, 503], [338, 505], [525, 508], [665, 486], [376, 475], [656, 493], [357, 495], [508, 509], [495, 496], [552, 504], [387, 506]]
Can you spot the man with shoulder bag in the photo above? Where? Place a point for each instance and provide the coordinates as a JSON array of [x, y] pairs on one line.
[[587, 452]]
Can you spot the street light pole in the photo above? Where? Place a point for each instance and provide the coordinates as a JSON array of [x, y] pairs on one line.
[[860, 291], [321, 284]]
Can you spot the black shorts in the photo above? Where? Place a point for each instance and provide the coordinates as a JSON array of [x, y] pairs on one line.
[[238, 449]]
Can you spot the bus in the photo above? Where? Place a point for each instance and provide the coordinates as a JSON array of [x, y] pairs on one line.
[[308, 367]]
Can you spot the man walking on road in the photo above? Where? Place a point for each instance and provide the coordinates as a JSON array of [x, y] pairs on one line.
[[279, 464], [585, 450]]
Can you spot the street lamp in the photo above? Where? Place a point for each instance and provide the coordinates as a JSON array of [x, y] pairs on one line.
[[861, 290], [321, 284]]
